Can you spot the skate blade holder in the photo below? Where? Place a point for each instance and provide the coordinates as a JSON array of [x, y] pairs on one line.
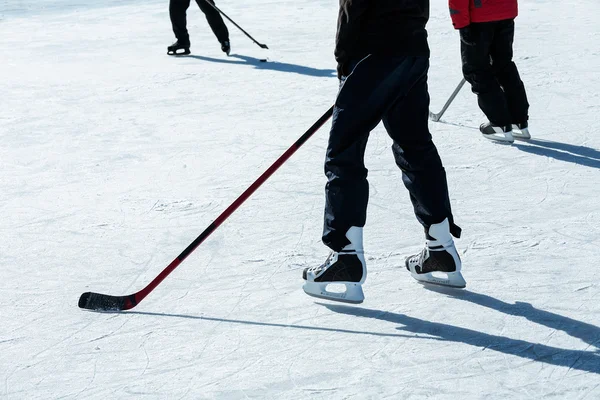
[[503, 138], [184, 52], [449, 279], [347, 292]]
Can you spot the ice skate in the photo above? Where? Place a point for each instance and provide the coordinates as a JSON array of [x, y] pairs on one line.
[[438, 263], [226, 47], [521, 131], [345, 268], [497, 133], [179, 48]]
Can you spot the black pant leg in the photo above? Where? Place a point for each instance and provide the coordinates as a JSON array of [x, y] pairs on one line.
[[177, 12], [364, 97], [477, 70], [214, 20], [347, 189], [415, 153], [506, 71]]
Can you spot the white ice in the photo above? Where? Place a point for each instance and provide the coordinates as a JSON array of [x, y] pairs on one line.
[[114, 157]]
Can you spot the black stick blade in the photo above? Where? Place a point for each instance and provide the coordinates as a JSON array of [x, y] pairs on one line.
[[262, 45], [102, 302]]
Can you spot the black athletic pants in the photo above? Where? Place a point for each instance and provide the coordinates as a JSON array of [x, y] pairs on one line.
[[392, 89], [177, 11], [487, 51]]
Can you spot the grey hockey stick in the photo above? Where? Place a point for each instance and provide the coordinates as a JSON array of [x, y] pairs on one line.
[[436, 117]]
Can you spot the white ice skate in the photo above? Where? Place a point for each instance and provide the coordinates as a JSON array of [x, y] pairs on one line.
[[345, 269], [438, 262], [497, 133], [521, 131]]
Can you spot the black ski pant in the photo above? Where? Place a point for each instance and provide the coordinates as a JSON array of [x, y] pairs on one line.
[[177, 12], [392, 89], [487, 51]]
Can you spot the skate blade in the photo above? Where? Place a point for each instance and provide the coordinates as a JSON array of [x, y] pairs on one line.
[[353, 293], [499, 138], [523, 135], [451, 279], [175, 53]]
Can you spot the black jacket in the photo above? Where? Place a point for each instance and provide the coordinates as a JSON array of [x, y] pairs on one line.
[[389, 27]]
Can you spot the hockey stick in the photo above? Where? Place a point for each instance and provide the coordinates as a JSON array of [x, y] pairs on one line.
[[436, 117], [104, 302], [264, 46]]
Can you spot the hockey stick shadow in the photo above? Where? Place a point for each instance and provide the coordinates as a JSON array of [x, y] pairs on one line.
[[581, 155], [588, 361], [271, 65], [271, 324]]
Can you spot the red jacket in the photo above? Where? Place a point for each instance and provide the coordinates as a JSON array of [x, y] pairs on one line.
[[463, 12]]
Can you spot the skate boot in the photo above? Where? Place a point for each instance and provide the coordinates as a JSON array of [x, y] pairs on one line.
[[521, 131], [438, 262], [179, 48], [497, 133], [226, 47], [345, 268]]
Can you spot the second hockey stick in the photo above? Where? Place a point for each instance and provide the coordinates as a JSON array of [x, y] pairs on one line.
[[261, 45], [436, 117], [104, 302]]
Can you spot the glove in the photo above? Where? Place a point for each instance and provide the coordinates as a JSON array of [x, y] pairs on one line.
[[466, 35]]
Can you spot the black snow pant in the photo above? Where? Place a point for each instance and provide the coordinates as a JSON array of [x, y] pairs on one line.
[[487, 51], [392, 89], [177, 12]]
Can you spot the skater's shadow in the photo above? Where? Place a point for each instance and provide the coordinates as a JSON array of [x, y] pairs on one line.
[[581, 155], [270, 65], [588, 361], [414, 328], [588, 333]]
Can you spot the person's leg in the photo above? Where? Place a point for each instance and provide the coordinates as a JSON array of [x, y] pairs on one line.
[[177, 12], [506, 72], [363, 99], [415, 153], [425, 178], [214, 20], [477, 70]]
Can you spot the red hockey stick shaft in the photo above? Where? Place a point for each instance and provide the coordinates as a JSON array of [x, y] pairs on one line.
[[102, 302]]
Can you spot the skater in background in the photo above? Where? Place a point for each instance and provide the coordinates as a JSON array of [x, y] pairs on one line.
[[487, 31], [383, 61], [177, 12]]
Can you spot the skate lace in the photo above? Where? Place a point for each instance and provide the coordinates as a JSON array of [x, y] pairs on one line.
[[415, 258], [323, 266]]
